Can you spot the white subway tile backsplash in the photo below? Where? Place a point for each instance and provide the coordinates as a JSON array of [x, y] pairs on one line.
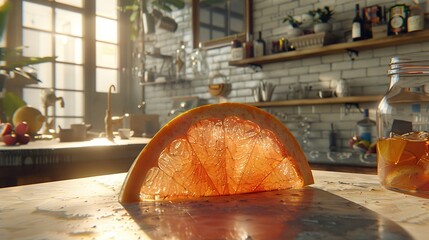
[[357, 73], [320, 68], [299, 70], [366, 75], [342, 65]]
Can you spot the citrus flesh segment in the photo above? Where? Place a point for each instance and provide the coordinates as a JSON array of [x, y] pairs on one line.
[[217, 149]]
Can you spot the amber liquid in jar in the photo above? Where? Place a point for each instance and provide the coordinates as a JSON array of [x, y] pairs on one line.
[[403, 162]]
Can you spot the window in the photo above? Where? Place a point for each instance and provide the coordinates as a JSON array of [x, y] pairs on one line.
[[59, 28]]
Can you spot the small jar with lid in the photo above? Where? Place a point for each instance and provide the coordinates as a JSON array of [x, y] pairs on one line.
[[237, 52], [403, 127]]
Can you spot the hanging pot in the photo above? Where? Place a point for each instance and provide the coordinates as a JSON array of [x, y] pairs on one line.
[[167, 23], [157, 15]]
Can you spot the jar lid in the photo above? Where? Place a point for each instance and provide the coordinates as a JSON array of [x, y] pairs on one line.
[[412, 58], [409, 64], [409, 71]]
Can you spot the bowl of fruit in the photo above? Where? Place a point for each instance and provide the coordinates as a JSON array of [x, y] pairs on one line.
[[17, 135], [362, 145]]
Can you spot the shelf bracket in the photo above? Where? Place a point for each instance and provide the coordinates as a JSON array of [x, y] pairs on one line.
[[349, 106], [353, 54], [256, 67]]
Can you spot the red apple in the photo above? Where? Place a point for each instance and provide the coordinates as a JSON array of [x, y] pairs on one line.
[[6, 129], [21, 128], [23, 139], [10, 139], [353, 141]]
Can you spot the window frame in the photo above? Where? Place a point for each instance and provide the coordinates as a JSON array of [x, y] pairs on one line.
[[94, 102]]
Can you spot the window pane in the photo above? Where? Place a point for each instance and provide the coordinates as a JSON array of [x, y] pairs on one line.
[[37, 16], [68, 22], [107, 55], [68, 76], [38, 44], [33, 98], [106, 30], [73, 103], [44, 73], [68, 49], [105, 78], [76, 3], [106, 8]]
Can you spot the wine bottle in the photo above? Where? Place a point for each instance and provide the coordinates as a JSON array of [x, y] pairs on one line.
[[248, 46], [259, 46], [357, 26], [416, 18]]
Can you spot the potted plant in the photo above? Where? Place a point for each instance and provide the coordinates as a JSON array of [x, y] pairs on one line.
[[321, 17], [295, 24], [139, 14]]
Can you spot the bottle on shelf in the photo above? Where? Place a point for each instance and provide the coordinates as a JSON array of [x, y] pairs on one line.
[[199, 61], [357, 26], [397, 19], [259, 47], [248, 46], [366, 128], [181, 62], [416, 17], [236, 49]]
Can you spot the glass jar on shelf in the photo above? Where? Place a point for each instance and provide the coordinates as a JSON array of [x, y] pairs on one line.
[[403, 127], [181, 62]]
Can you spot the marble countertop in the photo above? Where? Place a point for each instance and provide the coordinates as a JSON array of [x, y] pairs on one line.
[[55, 144], [338, 206]]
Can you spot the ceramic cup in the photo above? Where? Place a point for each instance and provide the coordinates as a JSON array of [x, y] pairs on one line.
[[66, 135], [79, 131], [125, 133]]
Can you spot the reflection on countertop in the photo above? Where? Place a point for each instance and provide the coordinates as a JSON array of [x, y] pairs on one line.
[[342, 158], [337, 206], [51, 160]]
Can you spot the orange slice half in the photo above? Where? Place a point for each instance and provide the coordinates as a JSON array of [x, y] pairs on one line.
[[217, 149]]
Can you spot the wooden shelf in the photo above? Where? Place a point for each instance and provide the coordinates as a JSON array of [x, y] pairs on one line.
[[387, 41], [318, 101], [158, 55], [172, 81]]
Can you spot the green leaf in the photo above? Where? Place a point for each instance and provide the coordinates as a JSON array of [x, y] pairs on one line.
[[4, 10], [11, 102], [14, 59], [166, 4], [134, 16]]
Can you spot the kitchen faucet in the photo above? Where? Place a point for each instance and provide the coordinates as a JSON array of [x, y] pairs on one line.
[[49, 99]]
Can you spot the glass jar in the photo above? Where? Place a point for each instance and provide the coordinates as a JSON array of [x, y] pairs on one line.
[[403, 127]]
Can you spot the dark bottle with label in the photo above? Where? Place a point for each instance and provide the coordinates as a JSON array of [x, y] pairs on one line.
[[259, 46], [357, 26], [398, 19]]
